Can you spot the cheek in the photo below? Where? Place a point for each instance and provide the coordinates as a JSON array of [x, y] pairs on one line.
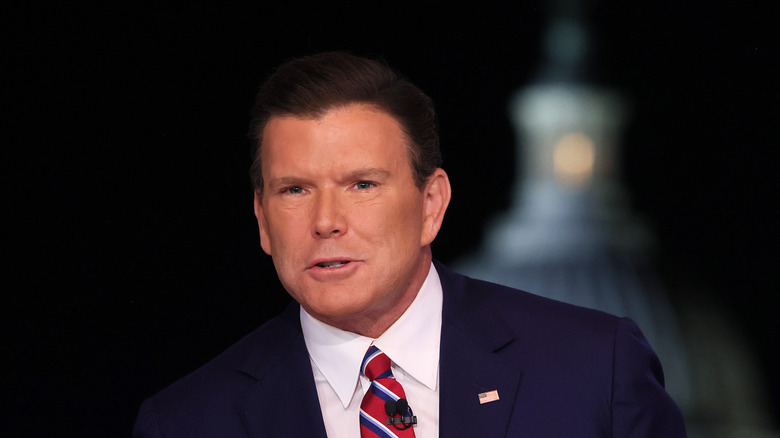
[[286, 235], [286, 216], [397, 227]]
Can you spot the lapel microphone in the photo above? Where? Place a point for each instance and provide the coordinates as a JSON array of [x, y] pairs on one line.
[[405, 418]]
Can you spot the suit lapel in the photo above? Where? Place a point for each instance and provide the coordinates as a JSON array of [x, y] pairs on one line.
[[470, 364], [283, 401]]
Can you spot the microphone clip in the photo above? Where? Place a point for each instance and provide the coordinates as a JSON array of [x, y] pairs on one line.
[[406, 420], [405, 417]]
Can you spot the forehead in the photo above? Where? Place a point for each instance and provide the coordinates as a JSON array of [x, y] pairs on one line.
[[355, 131]]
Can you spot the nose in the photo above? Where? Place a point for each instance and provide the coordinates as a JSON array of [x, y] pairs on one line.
[[329, 220]]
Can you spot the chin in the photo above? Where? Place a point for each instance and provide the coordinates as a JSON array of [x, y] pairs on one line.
[[343, 307], [340, 313]]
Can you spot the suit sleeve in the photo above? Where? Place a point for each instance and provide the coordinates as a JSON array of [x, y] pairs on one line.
[[641, 407]]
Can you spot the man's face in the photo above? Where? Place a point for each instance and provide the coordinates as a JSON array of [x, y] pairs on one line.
[[340, 215]]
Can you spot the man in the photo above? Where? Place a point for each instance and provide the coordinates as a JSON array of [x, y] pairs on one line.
[[349, 195]]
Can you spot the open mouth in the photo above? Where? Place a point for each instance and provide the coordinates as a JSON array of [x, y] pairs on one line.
[[332, 264]]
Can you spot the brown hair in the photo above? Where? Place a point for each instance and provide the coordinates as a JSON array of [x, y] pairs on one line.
[[309, 87]]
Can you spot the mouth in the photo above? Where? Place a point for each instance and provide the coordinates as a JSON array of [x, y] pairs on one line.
[[331, 264]]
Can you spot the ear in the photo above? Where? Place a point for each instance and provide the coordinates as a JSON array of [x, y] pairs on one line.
[[437, 194], [262, 224]]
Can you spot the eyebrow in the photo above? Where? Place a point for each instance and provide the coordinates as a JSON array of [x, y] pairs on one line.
[[357, 174], [285, 181], [368, 173]]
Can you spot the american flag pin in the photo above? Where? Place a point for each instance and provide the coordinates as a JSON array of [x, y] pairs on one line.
[[487, 397]]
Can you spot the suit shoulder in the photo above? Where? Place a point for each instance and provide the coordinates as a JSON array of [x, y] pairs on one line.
[[519, 306], [220, 383]]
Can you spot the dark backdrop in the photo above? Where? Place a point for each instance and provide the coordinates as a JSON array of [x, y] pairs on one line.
[[134, 256]]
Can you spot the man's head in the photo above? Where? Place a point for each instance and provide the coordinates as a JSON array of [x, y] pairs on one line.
[[341, 209], [310, 86]]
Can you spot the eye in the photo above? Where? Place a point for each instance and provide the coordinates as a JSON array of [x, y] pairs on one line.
[[295, 190], [364, 185]]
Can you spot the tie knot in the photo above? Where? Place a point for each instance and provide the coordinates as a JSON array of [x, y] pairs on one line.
[[376, 365]]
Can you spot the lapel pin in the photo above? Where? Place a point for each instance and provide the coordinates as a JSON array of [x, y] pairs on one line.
[[487, 397]]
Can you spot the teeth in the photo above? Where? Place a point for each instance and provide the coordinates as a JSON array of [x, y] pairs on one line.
[[333, 264]]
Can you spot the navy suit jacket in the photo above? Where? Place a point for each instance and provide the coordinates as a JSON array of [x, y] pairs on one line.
[[560, 371]]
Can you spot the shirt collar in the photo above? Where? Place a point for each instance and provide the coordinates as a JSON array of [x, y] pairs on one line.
[[412, 342]]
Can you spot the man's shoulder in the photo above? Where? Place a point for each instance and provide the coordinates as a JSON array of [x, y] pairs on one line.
[[216, 385], [478, 300], [533, 333], [591, 368]]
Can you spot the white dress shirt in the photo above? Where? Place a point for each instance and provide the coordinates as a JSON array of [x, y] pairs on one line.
[[411, 343]]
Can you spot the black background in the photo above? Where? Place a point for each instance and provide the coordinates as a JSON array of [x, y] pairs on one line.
[[134, 255]]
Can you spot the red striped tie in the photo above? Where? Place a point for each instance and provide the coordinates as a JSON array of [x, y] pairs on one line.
[[384, 388]]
